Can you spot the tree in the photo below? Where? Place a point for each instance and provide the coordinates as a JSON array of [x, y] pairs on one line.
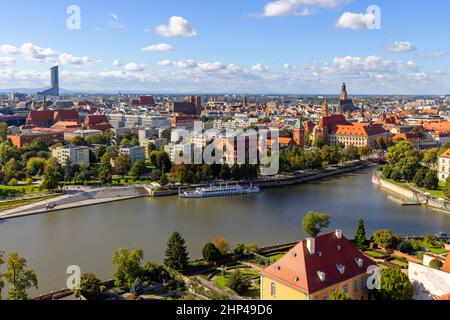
[[210, 253], [419, 178], [176, 253], [83, 175], [2, 283], [11, 170], [90, 286], [430, 157], [395, 285], [35, 166], [366, 151], [225, 172], [431, 181], [360, 235], [127, 266], [436, 264], [314, 222], [138, 169], [3, 131], [19, 278], [339, 295], [238, 282], [53, 174], [385, 239], [105, 171], [136, 288], [222, 244], [122, 165], [39, 144]]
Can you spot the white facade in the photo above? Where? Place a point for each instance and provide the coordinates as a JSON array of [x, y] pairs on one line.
[[443, 168], [70, 155], [135, 153], [428, 283]]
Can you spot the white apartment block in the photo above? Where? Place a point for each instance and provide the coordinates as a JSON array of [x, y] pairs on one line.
[[135, 153], [444, 166], [70, 155]]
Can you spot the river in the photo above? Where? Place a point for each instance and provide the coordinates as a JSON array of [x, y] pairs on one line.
[[87, 236]]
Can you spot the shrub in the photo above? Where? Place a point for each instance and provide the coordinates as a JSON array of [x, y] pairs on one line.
[[238, 282], [13, 182], [436, 264], [211, 253]]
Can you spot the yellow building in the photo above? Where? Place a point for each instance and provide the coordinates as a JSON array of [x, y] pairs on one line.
[[315, 268]]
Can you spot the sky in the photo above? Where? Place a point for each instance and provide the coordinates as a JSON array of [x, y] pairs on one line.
[[227, 46]]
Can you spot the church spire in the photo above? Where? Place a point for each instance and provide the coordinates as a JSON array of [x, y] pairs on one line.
[[325, 108]]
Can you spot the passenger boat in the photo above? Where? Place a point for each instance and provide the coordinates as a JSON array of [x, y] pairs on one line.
[[220, 191]]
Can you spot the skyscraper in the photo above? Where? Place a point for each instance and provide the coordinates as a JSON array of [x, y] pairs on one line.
[[54, 90]]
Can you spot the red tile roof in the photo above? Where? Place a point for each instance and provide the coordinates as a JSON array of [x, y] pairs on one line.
[[299, 269]]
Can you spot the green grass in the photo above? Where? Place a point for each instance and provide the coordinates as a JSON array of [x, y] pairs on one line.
[[439, 193], [252, 293], [277, 256], [375, 254], [437, 250], [12, 204], [221, 282], [18, 190], [402, 264]]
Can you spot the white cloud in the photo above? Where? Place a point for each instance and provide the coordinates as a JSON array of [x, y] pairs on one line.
[[164, 63], [401, 47], [135, 67], [10, 50], [289, 67], [116, 63], [6, 61], [355, 21], [259, 68], [432, 54], [66, 58], [177, 27], [161, 47], [211, 66], [297, 7]]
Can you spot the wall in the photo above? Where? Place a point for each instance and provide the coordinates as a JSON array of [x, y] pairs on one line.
[[428, 282], [282, 292]]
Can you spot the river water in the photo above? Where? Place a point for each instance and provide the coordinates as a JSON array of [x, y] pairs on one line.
[[87, 236]]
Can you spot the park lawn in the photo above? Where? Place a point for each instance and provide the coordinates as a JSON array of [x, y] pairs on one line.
[[437, 250], [439, 193], [278, 256], [400, 263], [18, 190], [221, 282], [374, 254], [12, 204]]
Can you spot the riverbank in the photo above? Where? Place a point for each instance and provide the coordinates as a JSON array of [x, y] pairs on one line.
[[77, 199], [410, 193], [94, 196], [282, 180]]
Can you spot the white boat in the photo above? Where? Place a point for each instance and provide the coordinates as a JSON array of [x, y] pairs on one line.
[[226, 191]]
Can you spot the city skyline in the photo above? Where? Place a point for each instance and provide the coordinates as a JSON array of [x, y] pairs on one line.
[[260, 47]]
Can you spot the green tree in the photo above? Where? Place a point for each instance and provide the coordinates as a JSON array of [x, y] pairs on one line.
[[395, 285], [138, 169], [225, 172], [430, 157], [19, 278], [360, 234], [436, 264], [53, 174], [11, 170], [419, 178], [2, 261], [238, 282], [122, 165], [314, 222], [431, 181], [90, 286], [35, 166], [339, 295], [39, 144], [105, 170], [136, 288], [211, 253], [176, 253], [366, 151], [3, 131], [83, 175], [385, 239], [127, 266]]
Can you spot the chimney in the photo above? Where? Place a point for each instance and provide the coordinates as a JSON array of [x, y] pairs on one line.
[[311, 245], [339, 234]]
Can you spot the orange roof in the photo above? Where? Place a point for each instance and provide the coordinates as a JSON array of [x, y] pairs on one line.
[[437, 126], [302, 271], [360, 129], [446, 154], [446, 266]]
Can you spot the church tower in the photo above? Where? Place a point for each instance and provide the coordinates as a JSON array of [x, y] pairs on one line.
[[299, 134], [325, 109], [343, 96]]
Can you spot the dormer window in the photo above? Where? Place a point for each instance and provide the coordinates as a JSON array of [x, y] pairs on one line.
[[296, 279], [341, 268], [278, 268], [339, 248], [319, 253], [359, 262], [322, 276]]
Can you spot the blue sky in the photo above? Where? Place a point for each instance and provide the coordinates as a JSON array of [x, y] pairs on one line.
[[235, 46]]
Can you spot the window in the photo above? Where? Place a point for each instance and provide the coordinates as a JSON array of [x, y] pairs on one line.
[[355, 286], [325, 296], [363, 283], [273, 290], [346, 289]]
